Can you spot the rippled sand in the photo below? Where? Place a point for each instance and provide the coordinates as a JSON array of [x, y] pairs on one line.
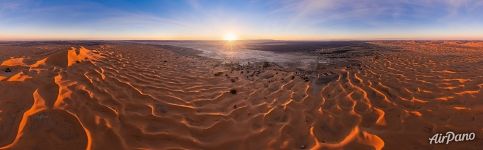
[[134, 96]]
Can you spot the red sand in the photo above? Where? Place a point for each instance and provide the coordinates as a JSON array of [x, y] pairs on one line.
[[119, 96]]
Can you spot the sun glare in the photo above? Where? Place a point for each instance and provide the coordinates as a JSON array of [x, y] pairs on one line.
[[230, 37]]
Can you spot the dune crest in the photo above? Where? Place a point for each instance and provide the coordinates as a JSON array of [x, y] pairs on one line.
[[37, 106], [38, 63], [19, 77], [80, 55], [13, 62]]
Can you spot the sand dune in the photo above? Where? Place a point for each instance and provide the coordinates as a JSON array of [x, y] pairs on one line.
[[134, 96]]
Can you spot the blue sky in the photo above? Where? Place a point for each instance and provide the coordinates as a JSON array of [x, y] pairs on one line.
[[249, 19]]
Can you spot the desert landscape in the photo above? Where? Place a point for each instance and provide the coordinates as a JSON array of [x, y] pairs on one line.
[[241, 75], [152, 95]]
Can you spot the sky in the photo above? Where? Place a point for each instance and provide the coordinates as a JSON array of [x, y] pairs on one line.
[[247, 19]]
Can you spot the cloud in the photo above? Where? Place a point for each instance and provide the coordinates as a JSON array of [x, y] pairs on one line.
[[136, 20], [195, 4], [373, 11], [9, 5]]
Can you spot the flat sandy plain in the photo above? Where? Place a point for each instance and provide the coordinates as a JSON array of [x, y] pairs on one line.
[[118, 95]]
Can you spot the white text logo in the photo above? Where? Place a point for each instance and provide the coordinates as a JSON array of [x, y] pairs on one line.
[[440, 138]]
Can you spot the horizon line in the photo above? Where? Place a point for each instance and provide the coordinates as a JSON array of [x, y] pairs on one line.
[[328, 40]]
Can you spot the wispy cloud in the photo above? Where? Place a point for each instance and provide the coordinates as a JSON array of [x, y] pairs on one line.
[[9, 5], [140, 20], [367, 9]]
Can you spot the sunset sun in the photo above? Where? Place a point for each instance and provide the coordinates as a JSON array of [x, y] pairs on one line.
[[230, 37]]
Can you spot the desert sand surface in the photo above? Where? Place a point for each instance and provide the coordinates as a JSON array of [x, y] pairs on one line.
[[121, 95]]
